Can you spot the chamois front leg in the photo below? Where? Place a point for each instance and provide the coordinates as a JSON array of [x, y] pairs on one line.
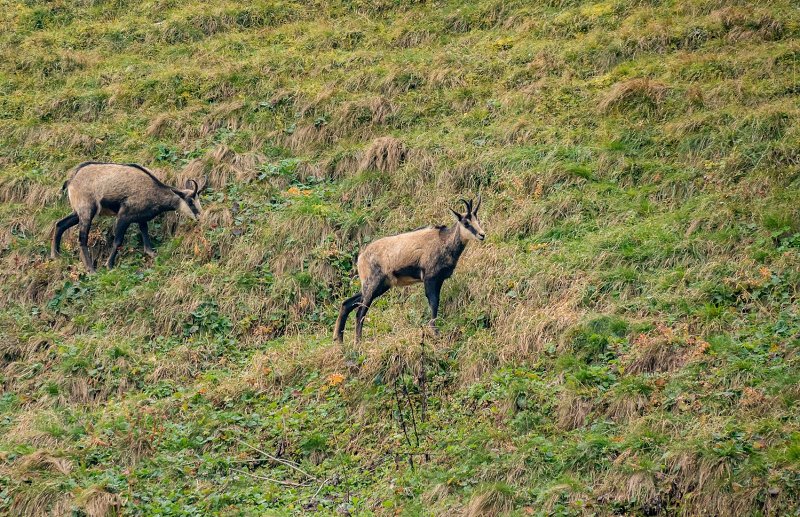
[[119, 236], [433, 288], [148, 247]]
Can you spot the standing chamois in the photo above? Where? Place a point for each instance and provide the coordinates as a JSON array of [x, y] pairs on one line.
[[428, 255], [128, 191]]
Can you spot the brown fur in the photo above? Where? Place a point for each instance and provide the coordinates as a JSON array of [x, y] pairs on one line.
[[130, 192], [428, 255]]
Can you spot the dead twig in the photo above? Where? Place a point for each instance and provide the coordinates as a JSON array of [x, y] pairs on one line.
[[288, 463]]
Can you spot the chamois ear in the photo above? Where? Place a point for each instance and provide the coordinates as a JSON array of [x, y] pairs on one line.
[[192, 184], [456, 214], [477, 205]]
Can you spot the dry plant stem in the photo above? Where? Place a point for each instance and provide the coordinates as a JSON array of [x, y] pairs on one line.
[[288, 463]]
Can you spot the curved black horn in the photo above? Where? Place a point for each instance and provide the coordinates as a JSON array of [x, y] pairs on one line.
[[195, 187], [477, 204], [467, 204]]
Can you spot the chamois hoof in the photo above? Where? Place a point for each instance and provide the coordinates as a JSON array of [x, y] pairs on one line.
[[431, 330], [150, 253]]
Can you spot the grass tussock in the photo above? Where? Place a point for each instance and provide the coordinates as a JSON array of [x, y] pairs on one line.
[[385, 154], [632, 94], [492, 500]]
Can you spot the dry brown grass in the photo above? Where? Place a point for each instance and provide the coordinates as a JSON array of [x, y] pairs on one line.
[[45, 498], [39, 281], [43, 461], [385, 154], [367, 113], [413, 38], [626, 487], [308, 136], [657, 352], [188, 362], [703, 485], [489, 502], [226, 114], [625, 406], [572, 409], [222, 165], [98, 502], [744, 23], [340, 165], [21, 189], [28, 429], [158, 126], [633, 92]]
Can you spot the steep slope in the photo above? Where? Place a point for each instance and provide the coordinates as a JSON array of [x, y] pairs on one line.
[[625, 341]]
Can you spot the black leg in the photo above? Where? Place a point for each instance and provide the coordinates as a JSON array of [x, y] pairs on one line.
[[83, 238], [347, 307], [119, 236], [148, 247], [433, 288], [62, 226], [369, 297]]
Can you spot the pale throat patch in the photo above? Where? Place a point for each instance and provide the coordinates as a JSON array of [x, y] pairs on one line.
[[185, 210], [466, 234]]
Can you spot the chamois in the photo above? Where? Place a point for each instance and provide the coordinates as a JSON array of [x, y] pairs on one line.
[[130, 192], [428, 255]]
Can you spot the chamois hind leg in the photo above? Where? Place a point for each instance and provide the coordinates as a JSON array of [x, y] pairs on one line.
[[119, 236], [369, 296], [433, 288], [347, 307], [62, 226], [85, 223]]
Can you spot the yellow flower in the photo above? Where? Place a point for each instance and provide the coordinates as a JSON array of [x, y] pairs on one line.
[[335, 379]]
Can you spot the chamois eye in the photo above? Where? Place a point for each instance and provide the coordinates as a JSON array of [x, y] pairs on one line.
[[466, 224]]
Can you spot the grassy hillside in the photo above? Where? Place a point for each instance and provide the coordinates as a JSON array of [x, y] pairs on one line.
[[627, 340]]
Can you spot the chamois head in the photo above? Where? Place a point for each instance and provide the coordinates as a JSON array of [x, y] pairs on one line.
[[189, 204], [469, 225]]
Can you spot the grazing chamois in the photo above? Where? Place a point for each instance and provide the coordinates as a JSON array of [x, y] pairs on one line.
[[428, 255], [130, 192]]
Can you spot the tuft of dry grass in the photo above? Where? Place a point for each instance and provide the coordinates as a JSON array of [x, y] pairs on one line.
[[308, 136], [656, 352], [44, 498], [639, 486], [385, 154], [703, 486], [572, 410], [634, 92], [22, 189], [96, 501], [43, 461], [158, 126], [369, 112], [490, 501]]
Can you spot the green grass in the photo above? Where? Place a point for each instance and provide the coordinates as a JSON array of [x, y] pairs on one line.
[[625, 341]]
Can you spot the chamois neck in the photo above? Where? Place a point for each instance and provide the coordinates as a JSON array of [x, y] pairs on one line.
[[454, 243]]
